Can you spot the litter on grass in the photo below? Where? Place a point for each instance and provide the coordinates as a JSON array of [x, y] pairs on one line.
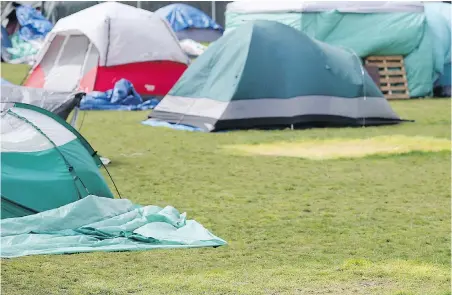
[[346, 148]]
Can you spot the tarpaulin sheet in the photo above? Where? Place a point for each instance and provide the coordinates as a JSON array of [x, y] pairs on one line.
[[123, 97], [96, 224], [33, 25], [182, 16], [157, 123]]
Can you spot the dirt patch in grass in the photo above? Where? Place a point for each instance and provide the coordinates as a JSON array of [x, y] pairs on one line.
[[347, 148]]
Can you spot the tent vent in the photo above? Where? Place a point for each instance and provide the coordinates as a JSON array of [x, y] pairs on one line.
[[392, 75]]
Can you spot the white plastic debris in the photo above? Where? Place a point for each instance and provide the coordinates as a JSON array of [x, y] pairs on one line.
[[192, 48]]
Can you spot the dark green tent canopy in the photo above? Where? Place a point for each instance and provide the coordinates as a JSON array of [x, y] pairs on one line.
[[266, 74]]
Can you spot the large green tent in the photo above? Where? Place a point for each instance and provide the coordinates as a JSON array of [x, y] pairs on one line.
[[367, 27], [267, 74], [45, 163]]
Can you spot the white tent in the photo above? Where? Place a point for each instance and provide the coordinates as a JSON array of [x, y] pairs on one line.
[[93, 48]]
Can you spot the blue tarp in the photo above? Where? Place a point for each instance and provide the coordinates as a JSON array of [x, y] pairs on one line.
[[3, 81], [6, 42], [156, 123], [96, 224], [33, 24], [183, 16], [122, 97]]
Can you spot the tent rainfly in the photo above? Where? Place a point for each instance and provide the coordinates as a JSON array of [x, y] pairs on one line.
[[94, 48], [265, 74], [369, 28], [45, 163]]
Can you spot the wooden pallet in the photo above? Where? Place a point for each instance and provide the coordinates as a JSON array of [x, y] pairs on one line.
[[393, 81]]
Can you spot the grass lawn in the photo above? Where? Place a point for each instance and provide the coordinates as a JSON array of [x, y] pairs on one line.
[[373, 225], [14, 73]]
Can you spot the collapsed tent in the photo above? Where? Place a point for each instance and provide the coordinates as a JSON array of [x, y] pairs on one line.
[[265, 74], [45, 163], [190, 23], [96, 224], [59, 103], [93, 49], [382, 28]]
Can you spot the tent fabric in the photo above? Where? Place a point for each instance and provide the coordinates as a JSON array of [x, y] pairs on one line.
[[360, 29], [182, 16], [439, 18], [319, 6], [122, 97], [301, 82], [190, 23], [96, 47], [140, 35], [59, 103], [96, 224], [45, 163]]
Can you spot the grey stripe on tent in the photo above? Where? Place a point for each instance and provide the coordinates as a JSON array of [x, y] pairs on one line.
[[320, 6], [360, 107]]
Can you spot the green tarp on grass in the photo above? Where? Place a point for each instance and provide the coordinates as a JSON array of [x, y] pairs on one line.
[[96, 224]]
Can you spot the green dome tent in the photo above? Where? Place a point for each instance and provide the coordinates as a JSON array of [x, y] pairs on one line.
[[265, 74], [45, 163], [369, 28]]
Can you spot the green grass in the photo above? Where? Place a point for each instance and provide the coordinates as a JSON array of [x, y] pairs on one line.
[[373, 225], [14, 73], [345, 148]]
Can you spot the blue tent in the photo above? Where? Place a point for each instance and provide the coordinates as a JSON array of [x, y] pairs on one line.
[[190, 23]]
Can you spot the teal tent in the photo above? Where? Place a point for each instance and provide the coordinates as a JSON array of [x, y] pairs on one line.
[[268, 75], [366, 27], [45, 163]]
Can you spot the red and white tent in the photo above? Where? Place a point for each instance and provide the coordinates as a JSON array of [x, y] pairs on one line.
[[92, 49]]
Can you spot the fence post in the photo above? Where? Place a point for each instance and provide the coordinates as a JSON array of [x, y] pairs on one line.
[[213, 11]]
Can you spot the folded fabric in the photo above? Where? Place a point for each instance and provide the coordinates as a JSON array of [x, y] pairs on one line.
[[96, 224], [123, 97]]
